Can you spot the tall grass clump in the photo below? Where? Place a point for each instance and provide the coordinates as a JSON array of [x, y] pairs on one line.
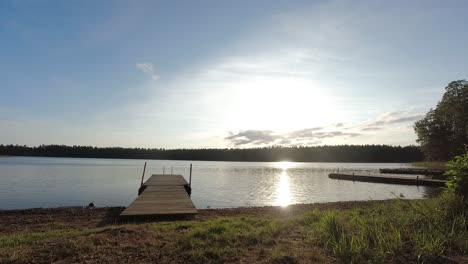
[[397, 231], [355, 236], [223, 239], [335, 237]]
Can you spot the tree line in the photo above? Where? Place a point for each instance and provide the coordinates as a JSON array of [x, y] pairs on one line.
[[443, 132], [340, 153]]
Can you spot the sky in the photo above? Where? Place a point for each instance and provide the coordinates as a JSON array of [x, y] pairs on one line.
[[215, 74]]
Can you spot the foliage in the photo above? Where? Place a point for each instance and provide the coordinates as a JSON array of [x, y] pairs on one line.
[[458, 175], [343, 153], [224, 238], [401, 231], [438, 165], [334, 235], [443, 132]]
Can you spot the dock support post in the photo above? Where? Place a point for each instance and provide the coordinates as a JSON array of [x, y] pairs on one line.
[[190, 178], [142, 188], [143, 176]]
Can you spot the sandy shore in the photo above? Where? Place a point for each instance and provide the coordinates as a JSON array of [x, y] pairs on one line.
[[40, 219]]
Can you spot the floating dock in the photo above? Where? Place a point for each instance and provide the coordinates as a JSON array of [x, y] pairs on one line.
[[162, 195], [417, 171], [388, 179]]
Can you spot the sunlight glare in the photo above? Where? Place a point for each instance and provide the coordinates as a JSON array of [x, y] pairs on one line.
[[284, 165], [284, 195]]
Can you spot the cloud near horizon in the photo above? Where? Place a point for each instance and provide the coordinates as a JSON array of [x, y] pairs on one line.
[[390, 118], [316, 135], [310, 136]]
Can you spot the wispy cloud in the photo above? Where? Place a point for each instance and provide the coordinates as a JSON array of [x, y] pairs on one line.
[[390, 118], [148, 68], [371, 128], [321, 135], [309, 136], [255, 137]]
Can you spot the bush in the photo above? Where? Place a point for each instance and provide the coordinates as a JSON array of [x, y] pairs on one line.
[[458, 175]]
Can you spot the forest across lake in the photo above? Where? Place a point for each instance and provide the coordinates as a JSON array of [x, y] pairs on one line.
[[338, 153]]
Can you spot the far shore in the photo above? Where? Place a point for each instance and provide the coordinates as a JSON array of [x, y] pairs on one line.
[[414, 163]]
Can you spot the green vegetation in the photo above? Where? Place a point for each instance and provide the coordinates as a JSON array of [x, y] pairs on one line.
[[343, 153], [458, 175], [401, 231], [225, 238], [439, 165], [443, 132], [398, 232]]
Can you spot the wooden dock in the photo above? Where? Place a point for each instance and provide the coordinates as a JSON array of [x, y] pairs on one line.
[[416, 171], [388, 179], [162, 195]]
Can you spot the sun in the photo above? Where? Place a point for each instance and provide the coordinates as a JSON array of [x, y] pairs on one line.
[[278, 103]]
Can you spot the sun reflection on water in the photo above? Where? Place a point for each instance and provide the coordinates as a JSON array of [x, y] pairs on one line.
[[282, 188], [284, 165]]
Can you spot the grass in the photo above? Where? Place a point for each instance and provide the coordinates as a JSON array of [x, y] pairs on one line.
[[36, 237], [439, 165], [402, 231], [398, 231], [225, 238]]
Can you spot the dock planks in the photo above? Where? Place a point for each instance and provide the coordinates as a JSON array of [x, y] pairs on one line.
[[166, 180], [163, 195]]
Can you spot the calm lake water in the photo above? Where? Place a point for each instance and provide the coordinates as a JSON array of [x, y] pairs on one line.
[[30, 182]]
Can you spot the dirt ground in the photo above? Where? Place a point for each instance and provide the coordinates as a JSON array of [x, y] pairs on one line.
[[33, 220]]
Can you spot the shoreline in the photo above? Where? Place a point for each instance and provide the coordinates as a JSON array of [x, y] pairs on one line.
[[269, 234], [272, 207], [38, 219]]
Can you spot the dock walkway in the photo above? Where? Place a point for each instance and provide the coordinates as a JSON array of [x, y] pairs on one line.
[[162, 195]]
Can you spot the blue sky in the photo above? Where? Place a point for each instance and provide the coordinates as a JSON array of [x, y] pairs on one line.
[[225, 73]]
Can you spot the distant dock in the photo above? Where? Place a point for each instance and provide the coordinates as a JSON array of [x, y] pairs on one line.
[[162, 196], [414, 171], [388, 179]]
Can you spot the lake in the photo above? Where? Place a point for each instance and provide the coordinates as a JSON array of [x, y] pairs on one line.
[[31, 182]]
